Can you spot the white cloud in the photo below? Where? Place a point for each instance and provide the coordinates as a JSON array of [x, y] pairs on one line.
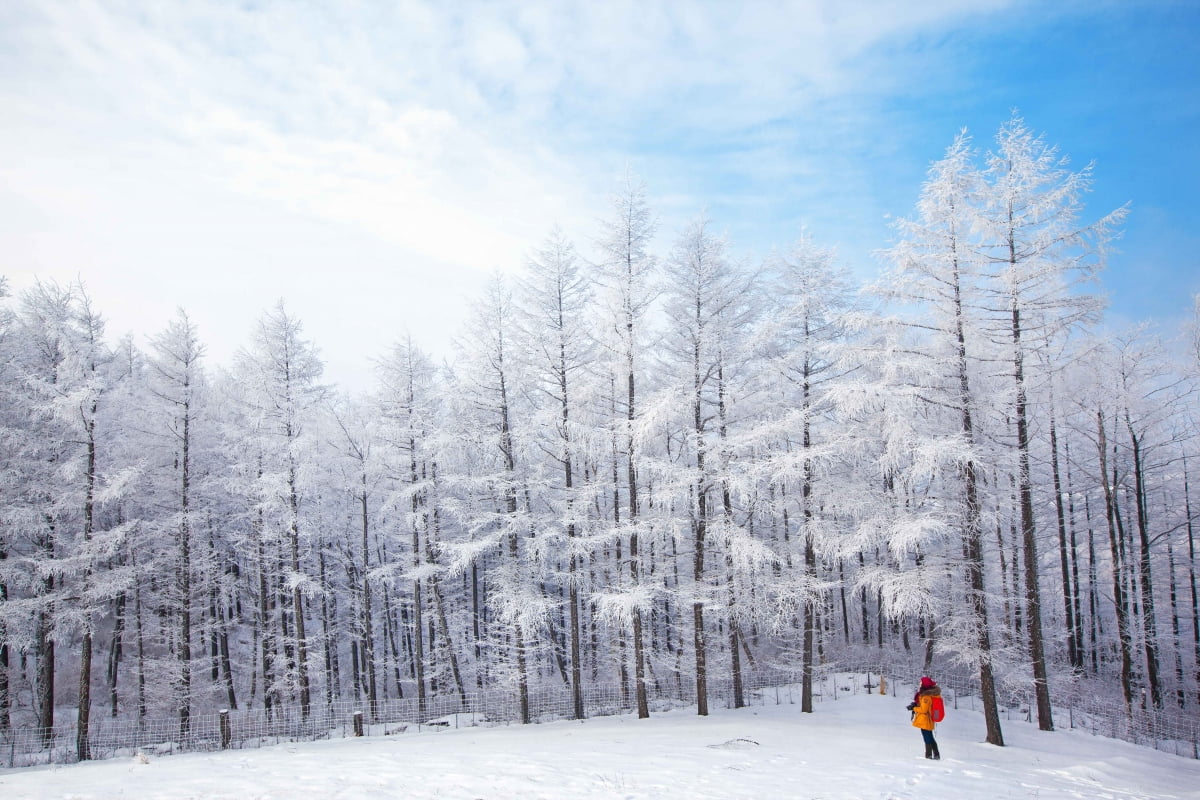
[[441, 139]]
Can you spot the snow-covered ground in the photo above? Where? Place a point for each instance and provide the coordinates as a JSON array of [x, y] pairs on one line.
[[856, 747]]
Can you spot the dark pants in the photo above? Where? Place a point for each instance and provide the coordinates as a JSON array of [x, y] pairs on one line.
[[931, 748]]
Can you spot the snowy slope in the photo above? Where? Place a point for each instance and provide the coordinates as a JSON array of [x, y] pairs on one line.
[[856, 747]]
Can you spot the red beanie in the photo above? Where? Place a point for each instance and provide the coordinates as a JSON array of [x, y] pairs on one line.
[[927, 682]]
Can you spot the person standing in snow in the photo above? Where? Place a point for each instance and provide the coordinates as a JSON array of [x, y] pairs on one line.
[[922, 714]]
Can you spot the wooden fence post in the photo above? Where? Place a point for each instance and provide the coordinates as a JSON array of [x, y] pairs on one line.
[[358, 723], [226, 732]]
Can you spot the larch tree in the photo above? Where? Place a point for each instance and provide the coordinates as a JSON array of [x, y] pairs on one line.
[[501, 523], [553, 298], [1193, 345], [34, 512], [6, 377], [701, 290], [176, 383], [362, 471], [48, 518], [283, 371], [808, 333], [81, 405], [935, 268], [1151, 398], [625, 273], [61, 432], [1038, 253], [407, 398]]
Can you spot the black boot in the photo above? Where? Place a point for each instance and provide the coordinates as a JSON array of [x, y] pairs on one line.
[[928, 750], [936, 755]]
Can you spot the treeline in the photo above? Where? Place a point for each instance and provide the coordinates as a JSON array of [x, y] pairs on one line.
[[638, 469]]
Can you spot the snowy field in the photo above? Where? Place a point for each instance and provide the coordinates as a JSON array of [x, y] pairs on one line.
[[857, 747]]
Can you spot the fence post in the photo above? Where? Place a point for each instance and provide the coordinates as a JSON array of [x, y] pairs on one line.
[[358, 723], [226, 733]]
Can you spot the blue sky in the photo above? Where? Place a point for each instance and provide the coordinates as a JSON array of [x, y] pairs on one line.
[[372, 162]]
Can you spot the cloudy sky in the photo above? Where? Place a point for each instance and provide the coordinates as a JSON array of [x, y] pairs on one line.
[[372, 162]]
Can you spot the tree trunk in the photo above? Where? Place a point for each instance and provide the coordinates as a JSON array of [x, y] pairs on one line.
[[141, 642], [1113, 516], [417, 552], [1063, 556], [44, 649], [83, 720], [809, 623], [735, 636], [639, 656], [477, 623], [1033, 601], [368, 635], [810, 557], [183, 583], [1176, 639], [114, 651], [573, 562], [700, 528], [1187, 505], [510, 507], [266, 624], [297, 597], [842, 602], [226, 665], [82, 726], [1093, 590], [332, 668], [1150, 621], [1073, 552], [5, 699], [440, 611], [973, 533]]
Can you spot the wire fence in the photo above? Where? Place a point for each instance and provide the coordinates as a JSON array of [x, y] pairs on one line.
[[1177, 733], [1077, 706]]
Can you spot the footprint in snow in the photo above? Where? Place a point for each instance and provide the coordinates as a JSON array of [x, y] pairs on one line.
[[735, 744]]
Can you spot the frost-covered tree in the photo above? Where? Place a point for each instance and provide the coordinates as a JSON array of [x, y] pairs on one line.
[[936, 274], [409, 399], [361, 471], [177, 381], [1038, 252], [1142, 401], [6, 422], [806, 335], [34, 510], [554, 296], [625, 274], [91, 359], [695, 278], [492, 380], [281, 371], [61, 437]]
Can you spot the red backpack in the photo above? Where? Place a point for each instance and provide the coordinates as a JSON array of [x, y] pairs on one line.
[[937, 710]]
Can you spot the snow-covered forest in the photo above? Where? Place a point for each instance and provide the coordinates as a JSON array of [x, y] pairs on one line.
[[649, 463]]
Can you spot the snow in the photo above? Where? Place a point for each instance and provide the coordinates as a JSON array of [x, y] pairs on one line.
[[856, 747]]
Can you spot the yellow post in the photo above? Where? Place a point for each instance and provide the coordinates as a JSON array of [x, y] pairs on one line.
[[882, 684]]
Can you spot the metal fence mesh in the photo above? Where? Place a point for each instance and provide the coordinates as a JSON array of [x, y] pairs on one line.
[[1176, 732]]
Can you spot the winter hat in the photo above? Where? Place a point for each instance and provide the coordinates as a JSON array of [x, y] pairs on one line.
[[927, 682]]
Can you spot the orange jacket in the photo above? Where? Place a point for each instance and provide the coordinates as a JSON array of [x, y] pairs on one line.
[[922, 716]]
